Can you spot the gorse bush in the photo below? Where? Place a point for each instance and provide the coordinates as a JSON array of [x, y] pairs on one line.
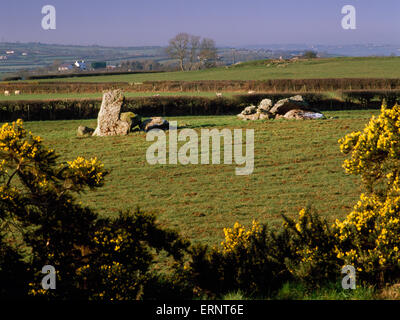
[[370, 235], [310, 250], [252, 261], [313, 241], [94, 258], [119, 266]]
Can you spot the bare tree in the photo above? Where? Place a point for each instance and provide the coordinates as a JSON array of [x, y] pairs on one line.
[[208, 52], [178, 48], [194, 50]]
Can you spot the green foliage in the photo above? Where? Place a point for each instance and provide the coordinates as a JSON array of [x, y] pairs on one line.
[[95, 258], [14, 272], [314, 241], [99, 65], [118, 266], [329, 291], [253, 264], [310, 54]]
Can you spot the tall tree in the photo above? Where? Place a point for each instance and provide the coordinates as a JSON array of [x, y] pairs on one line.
[[208, 52], [178, 48]]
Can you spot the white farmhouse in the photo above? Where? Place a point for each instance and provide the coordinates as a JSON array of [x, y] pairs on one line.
[[80, 64], [65, 67]]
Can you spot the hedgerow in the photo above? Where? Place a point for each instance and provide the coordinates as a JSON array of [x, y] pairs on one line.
[[272, 85], [69, 109]]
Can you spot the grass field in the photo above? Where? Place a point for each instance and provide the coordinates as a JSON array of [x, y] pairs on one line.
[[57, 96], [370, 67], [296, 163]]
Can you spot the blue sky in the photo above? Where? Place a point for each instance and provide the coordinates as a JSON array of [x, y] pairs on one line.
[[229, 22]]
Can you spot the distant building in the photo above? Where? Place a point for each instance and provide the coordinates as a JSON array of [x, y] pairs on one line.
[[10, 52], [65, 67], [24, 53], [3, 57], [80, 64]]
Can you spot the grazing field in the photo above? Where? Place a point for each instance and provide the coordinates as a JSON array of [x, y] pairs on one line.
[[57, 96], [297, 163], [370, 67]]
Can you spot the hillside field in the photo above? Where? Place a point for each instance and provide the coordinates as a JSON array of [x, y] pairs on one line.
[[369, 67]]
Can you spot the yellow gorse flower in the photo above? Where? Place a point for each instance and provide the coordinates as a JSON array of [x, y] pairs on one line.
[[238, 235]]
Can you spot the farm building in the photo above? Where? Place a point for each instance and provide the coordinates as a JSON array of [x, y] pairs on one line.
[[65, 67]]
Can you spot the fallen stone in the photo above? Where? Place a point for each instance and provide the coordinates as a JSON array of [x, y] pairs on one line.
[[84, 131], [132, 119], [265, 106], [303, 115], [155, 123], [249, 113], [265, 116], [249, 110], [285, 105]]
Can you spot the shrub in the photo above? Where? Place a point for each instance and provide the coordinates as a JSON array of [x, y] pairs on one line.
[[122, 254], [95, 258], [251, 261], [370, 234], [314, 262], [310, 251]]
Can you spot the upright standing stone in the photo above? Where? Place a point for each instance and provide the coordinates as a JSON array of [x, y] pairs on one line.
[[108, 120]]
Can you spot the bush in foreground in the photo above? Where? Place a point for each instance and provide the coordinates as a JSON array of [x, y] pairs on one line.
[[94, 258], [311, 251]]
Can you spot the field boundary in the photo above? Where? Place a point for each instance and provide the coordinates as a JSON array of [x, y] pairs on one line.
[[69, 109], [273, 86]]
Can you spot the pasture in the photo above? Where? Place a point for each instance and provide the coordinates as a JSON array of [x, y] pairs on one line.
[[368, 67], [297, 163], [74, 96]]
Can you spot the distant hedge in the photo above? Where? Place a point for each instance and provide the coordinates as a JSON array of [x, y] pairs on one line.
[[89, 108], [14, 78], [86, 74], [273, 86], [172, 105], [364, 97]]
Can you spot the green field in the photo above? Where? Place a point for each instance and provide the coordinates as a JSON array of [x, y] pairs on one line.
[[370, 67], [58, 96], [296, 163]]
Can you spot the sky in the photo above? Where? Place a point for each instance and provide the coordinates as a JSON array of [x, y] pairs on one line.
[[228, 22]]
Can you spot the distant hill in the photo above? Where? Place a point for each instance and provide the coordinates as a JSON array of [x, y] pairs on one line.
[[16, 57], [35, 55]]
